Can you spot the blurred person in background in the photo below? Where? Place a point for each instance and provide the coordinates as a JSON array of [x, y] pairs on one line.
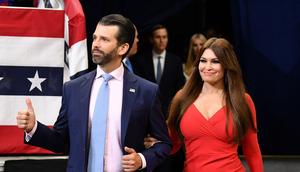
[[196, 43], [160, 66], [132, 52]]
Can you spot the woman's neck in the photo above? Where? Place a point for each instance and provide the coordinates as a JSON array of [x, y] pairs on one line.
[[212, 89]]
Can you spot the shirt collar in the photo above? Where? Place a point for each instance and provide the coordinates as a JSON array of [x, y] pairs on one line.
[[117, 73], [162, 55]]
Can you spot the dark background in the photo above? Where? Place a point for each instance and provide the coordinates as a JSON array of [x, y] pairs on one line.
[[266, 37], [183, 18]]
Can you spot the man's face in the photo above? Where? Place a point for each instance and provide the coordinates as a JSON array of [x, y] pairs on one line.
[[105, 45], [160, 40]]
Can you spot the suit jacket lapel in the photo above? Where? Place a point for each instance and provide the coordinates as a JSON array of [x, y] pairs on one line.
[[150, 67], [166, 68], [130, 90], [84, 95]]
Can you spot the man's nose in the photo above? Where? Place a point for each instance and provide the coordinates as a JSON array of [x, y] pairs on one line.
[[96, 43]]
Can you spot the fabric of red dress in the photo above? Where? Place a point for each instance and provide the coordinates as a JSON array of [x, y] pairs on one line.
[[210, 149]]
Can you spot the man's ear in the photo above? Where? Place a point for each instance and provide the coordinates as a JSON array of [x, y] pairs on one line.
[[123, 49]]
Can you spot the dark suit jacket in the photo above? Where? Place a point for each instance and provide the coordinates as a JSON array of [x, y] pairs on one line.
[[172, 78], [141, 115]]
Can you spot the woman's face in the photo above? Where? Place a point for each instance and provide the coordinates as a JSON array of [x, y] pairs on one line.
[[210, 68], [197, 45]]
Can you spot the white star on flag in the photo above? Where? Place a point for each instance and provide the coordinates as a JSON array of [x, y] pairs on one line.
[[36, 81], [1, 78]]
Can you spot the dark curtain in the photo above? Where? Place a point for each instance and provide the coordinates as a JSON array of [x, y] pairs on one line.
[[183, 18], [267, 39]]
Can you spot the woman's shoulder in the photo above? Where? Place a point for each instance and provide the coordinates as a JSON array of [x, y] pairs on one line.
[[250, 103], [248, 98]]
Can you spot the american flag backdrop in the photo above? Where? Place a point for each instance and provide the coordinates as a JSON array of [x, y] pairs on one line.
[[31, 65], [76, 60]]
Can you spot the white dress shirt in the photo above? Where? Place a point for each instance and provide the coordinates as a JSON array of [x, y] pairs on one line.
[[113, 148], [155, 61]]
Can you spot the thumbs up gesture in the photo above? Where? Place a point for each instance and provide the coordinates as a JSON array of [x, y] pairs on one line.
[[132, 161], [26, 118]]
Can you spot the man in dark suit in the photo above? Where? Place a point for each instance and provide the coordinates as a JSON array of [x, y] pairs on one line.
[[133, 110], [160, 66], [132, 52]]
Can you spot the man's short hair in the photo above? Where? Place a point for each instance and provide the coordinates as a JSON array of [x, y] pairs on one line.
[[126, 31]]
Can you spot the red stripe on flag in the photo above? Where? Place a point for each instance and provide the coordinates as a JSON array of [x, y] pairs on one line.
[[76, 17], [32, 23], [12, 142]]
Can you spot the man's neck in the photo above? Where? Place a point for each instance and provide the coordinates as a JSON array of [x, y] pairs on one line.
[[107, 68], [158, 51]]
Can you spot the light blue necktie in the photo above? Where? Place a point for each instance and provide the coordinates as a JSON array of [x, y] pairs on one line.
[[158, 70], [98, 128]]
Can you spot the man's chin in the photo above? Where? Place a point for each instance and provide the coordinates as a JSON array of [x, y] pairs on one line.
[[97, 60]]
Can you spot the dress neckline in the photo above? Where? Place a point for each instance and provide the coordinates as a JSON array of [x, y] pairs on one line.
[[212, 117]]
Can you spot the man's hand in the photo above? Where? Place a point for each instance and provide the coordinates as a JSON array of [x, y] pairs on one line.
[[132, 161], [26, 119]]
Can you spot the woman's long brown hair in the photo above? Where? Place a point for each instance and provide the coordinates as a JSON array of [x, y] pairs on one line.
[[234, 91]]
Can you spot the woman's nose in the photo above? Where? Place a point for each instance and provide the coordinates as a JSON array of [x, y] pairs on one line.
[[208, 65]]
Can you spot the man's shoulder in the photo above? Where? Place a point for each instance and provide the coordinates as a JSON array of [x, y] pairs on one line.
[[82, 78], [173, 56], [144, 82]]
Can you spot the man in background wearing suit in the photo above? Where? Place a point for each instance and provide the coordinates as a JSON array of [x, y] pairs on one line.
[[133, 51], [160, 66], [165, 69], [133, 111]]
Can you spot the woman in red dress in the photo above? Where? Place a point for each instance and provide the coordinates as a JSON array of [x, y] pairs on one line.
[[212, 114]]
